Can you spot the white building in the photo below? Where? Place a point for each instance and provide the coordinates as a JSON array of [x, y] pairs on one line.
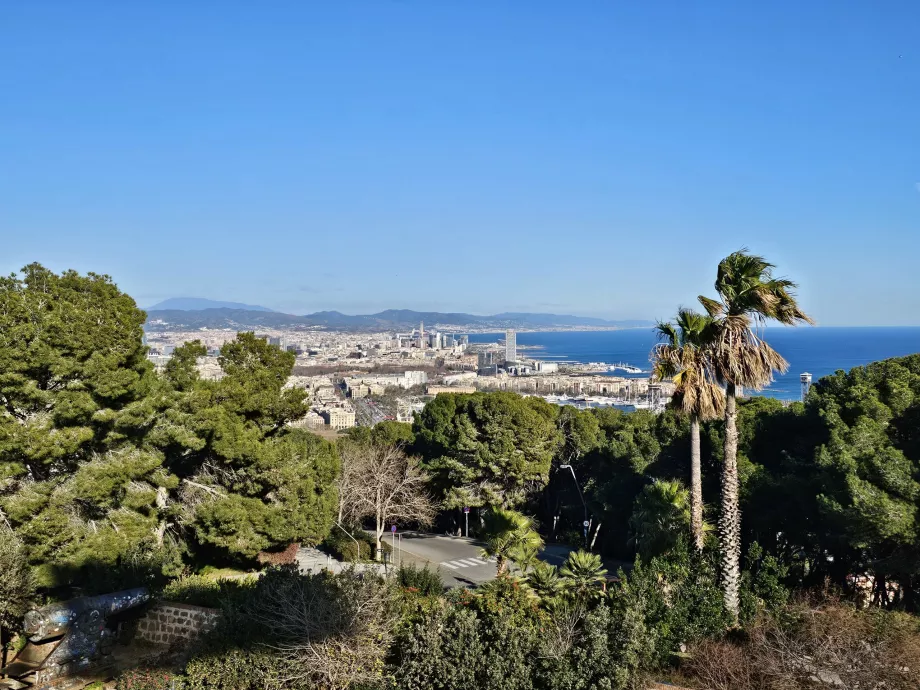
[[338, 417]]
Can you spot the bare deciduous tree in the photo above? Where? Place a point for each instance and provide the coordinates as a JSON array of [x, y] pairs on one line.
[[384, 483], [332, 631]]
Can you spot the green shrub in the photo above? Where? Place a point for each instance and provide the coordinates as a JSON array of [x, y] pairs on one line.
[[243, 669], [666, 603], [207, 591], [422, 580], [762, 585], [349, 550]]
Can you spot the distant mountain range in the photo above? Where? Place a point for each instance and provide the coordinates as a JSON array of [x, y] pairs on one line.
[[391, 319], [199, 303]]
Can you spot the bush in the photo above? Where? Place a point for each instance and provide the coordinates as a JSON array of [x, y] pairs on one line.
[[810, 644], [667, 603], [243, 669], [297, 631], [349, 550], [762, 585], [201, 590], [422, 580]]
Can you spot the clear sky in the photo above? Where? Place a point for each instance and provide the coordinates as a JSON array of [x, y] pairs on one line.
[[579, 157]]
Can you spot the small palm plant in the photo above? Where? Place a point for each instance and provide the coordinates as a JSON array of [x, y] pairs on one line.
[[544, 579], [509, 535], [584, 574], [524, 555], [660, 516]]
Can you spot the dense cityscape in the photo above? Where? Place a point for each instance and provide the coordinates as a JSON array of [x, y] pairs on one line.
[[365, 378]]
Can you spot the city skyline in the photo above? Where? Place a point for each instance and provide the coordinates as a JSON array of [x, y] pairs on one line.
[[594, 160]]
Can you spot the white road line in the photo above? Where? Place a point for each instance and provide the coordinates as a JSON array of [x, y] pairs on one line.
[[449, 565], [469, 562], [480, 561]]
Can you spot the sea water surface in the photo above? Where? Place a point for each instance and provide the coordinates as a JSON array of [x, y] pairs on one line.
[[817, 350]]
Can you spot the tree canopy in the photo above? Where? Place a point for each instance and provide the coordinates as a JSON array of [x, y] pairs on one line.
[[487, 449]]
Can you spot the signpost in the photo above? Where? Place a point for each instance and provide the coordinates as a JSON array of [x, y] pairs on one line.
[[393, 550], [466, 520], [585, 525]]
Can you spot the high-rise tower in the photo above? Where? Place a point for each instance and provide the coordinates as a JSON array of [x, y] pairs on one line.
[[510, 346]]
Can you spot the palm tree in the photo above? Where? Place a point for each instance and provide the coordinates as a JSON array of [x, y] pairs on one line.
[[584, 573], [524, 555], [545, 581], [684, 356], [661, 514], [748, 296], [509, 533]]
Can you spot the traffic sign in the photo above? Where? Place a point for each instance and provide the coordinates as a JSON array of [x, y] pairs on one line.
[[466, 509], [584, 524], [393, 528]]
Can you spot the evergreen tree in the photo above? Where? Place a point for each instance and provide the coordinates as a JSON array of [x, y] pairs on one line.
[[487, 448]]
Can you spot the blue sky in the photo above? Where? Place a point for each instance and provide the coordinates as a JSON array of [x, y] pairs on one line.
[[577, 157]]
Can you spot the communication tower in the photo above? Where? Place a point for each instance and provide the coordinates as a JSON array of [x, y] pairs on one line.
[[806, 384]]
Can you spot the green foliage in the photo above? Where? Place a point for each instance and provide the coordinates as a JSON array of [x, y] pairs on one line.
[[487, 448], [211, 592], [112, 475], [348, 549], [871, 462], [583, 575], [762, 585], [544, 579], [421, 580], [660, 518], [510, 535], [666, 603], [16, 583]]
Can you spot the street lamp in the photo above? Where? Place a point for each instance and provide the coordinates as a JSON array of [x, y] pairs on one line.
[[587, 522]]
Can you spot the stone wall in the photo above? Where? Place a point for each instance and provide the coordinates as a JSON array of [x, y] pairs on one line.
[[166, 622]]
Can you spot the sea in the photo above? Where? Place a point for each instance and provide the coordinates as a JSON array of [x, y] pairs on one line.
[[817, 350]]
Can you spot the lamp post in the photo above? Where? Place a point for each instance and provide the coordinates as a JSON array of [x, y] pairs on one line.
[[587, 522]]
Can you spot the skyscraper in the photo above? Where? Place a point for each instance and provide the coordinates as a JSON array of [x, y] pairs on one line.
[[510, 346]]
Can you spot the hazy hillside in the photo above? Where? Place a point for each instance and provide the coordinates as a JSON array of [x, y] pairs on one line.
[[390, 319], [199, 303]]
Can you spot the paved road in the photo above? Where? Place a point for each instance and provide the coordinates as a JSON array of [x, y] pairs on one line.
[[459, 560]]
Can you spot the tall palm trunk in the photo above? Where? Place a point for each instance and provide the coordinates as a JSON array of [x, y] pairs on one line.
[[730, 519], [696, 484]]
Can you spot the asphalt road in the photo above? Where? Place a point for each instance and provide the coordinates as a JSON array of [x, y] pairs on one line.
[[459, 560]]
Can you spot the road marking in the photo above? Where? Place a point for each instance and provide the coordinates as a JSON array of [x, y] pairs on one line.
[[449, 565]]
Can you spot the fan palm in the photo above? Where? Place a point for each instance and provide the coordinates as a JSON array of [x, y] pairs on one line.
[[508, 534], [583, 573], [684, 356], [544, 579], [748, 296], [661, 514]]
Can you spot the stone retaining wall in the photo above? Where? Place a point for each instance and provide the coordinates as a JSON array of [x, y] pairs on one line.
[[166, 622]]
